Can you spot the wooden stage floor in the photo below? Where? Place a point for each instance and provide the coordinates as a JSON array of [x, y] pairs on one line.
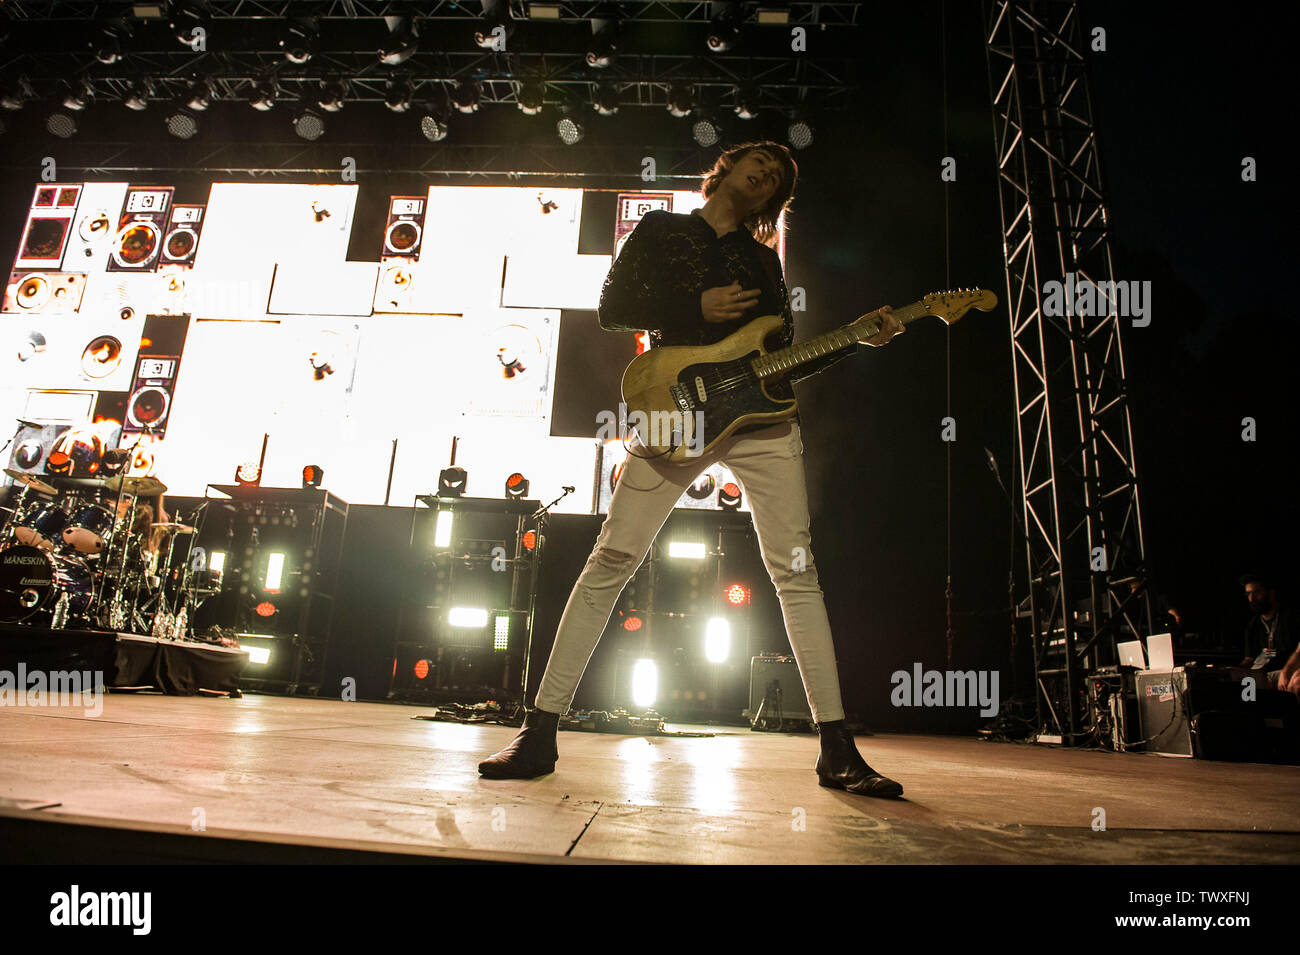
[[295, 776]]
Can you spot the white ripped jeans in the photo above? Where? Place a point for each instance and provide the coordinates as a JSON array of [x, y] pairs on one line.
[[768, 463]]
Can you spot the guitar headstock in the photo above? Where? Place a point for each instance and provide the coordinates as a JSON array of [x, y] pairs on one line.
[[952, 304]]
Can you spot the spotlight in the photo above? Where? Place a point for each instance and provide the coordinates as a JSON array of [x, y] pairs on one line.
[[604, 44], [681, 100], [686, 549], [78, 95], [189, 25], [800, 132], [632, 623], [606, 99], [248, 474], [312, 475], [729, 496], [465, 95], [569, 127], [274, 575], [199, 94], [468, 617], [137, 97], [182, 124], [747, 102], [442, 532], [706, 131], [645, 683], [532, 94], [717, 640], [737, 595], [15, 93], [402, 42], [493, 30], [109, 49], [331, 95], [516, 487], [60, 124], [501, 632], [399, 94], [451, 482], [298, 44], [264, 95], [433, 125], [724, 31], [309, 125]]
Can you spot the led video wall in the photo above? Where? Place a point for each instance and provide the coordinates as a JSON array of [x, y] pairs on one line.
[[193, 333]]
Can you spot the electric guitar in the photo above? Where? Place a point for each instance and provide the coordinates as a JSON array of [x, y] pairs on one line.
[[683, 399]]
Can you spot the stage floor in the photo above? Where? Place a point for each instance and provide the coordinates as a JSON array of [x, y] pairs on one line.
[[302, 774]]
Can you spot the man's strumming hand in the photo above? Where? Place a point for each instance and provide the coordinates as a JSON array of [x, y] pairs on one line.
[[726, 303]]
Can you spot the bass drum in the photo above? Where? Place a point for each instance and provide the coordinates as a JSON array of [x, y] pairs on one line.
[[32, 580]]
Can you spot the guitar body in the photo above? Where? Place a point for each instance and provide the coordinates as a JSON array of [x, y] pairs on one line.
[[690, 398]]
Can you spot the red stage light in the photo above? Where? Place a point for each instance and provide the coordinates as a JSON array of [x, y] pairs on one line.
[[632, 624], [530, 540], [737, 595], [265, 609], [421, 669]]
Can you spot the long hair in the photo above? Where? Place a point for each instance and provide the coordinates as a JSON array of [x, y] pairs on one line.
[[761, 224]]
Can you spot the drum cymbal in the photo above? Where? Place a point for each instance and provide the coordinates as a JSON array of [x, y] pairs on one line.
[[176, 528], [33, 482], [141, 486]]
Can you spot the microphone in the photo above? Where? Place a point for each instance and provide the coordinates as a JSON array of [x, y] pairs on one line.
[[568, 488], [993, 463]]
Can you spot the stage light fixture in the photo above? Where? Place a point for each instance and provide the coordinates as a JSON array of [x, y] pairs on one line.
[[632, 623], [258, 655], [604, 43], [332, 93], [61, 124], [77, 96], [775, 16], [686, 549], [188, 24], [465, 95], [312, 475], [569, 126], [799, 134], [516, 487], [182, 124], [724, 30], [451, 481], [531, 96], [645, 683], [398, 95], [274, 573], [248, 474], [544, 11], [109, 48], [493, 25], [606, 99], [747, 102], [433, 125], [501, 633], [729, 496], [706, 131], [264, 94], [402, 42], [199, 94], [217, 562], [717, 640], [147, 11], [15, 93], [681, 100], [137, 96], [299, 42], [467, 617], [530, 540], [442, 531], [737, 595]]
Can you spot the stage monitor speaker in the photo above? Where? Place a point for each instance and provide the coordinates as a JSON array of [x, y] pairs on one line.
[[776, 692], [49, 225]]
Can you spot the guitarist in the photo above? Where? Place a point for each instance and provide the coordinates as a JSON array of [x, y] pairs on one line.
[[693, 280]]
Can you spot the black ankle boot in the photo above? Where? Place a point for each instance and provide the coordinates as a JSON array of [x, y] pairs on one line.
[[532, 753], [841, 766]]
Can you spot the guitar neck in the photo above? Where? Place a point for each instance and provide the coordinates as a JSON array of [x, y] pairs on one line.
[[784, 360]]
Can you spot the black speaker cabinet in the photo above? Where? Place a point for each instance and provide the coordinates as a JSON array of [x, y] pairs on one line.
[[278, 552], [776, 693]]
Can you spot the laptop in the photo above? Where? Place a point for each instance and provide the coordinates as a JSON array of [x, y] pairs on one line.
[[1160, 651], [1130, 654]]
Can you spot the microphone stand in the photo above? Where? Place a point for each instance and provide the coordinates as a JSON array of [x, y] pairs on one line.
[[541, 516]]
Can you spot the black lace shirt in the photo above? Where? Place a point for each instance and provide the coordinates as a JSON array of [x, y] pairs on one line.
[[669, 260]]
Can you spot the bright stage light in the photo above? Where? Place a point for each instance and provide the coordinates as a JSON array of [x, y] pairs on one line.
[[182, 124], [705, 131], [442, 532], [686, 549], [258, 655], [312, 475], [569, 126], [433, 127], [501, 636], [217, 562], [516, 487], [309, 125], [274, 573], [717, 640], [729, 496], [248, 474], [645, 683], [737, 595], [469, 617]]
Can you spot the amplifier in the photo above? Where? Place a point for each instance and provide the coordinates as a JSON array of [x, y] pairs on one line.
[[776, 693], [1165, 712], [1193, 711]]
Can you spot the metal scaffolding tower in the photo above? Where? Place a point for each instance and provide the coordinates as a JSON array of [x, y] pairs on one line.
[[1078, 479]]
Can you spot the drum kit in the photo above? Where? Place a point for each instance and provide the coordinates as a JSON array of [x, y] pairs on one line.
[[73, 554]]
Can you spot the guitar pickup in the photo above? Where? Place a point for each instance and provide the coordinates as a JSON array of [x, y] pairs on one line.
[[699, 388]]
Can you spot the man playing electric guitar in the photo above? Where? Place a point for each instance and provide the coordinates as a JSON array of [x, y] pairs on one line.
[[693, 280]]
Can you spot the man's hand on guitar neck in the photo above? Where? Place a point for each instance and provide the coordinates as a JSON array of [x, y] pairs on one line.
[[889, 326], [726, 303]]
